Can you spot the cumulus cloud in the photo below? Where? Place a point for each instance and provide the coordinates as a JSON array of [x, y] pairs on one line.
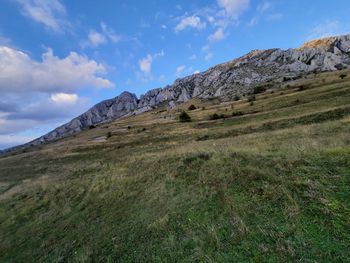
[[64, 98], [218, 35], [50, 13], [20, 73], [190, 21], [50, 109], [38, 93]]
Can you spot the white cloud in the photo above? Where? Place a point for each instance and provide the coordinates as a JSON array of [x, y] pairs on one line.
[[234, 8], [193, 57], [263, 7], [254, 21], [327, 29], [50, 13], [190, 21], [64, 98], [274, 17], [145, 65], [20, 73], [180, 70], [208, 56], [218, 35], [96, 39], [196, 72]]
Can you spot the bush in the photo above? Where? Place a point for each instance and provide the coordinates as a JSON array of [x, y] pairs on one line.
[[259, 89], [237, 98], [251, 98], [109, 135], [343, 76], [216, 116], [192, 107], [92, 127], [184, 117], [237, 113]]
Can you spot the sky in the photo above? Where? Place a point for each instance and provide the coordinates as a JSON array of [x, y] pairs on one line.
[[60, 57]]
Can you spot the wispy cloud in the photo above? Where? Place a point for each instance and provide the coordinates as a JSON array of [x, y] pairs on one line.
[[234, 8], [180, 70], [190, 21], [328, 28], [100, 37], [51, 13], [218, 35], [145, 66]]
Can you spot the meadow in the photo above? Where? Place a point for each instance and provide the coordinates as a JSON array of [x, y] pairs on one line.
[[266, 180]]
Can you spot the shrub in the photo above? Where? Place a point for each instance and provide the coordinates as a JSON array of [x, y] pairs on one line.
[[216, 116], [184, 117], [259, 89], [343, 76], [192, 107], [92, 127], [203, 108], [237, 113], [237, 98], [251, 98], [109, 135]]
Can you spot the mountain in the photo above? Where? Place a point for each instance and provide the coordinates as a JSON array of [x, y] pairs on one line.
[[238, 77]]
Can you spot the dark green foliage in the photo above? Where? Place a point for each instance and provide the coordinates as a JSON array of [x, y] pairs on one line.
[[216, 116], [343, 76], [251, 98], [192, 107], [259, 89], [237, 113], [184, 117], [237, 98]]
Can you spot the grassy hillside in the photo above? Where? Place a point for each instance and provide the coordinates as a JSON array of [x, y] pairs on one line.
[[265, 181]]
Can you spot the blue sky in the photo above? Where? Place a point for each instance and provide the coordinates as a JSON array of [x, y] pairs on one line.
[[60, 57]]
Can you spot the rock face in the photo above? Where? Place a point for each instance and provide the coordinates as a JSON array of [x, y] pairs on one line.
[[237, 77]]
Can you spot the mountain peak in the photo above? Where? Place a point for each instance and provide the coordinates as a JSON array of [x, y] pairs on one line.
[[327, 43]]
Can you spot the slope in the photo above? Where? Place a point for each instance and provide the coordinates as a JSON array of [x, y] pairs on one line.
[[266, 182]]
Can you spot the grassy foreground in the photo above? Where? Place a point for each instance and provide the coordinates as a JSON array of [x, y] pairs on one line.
[[270, 184]]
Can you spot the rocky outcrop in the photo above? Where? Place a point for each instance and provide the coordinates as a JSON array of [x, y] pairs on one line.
[[237, 77]]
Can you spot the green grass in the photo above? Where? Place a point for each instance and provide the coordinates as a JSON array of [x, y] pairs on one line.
[[272, 185]]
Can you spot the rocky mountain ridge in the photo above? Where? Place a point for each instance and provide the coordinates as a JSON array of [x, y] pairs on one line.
[[234, 78]]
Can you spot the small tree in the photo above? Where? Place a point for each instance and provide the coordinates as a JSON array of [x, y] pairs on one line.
[[184, 117], [192, 107], [251, 98]]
